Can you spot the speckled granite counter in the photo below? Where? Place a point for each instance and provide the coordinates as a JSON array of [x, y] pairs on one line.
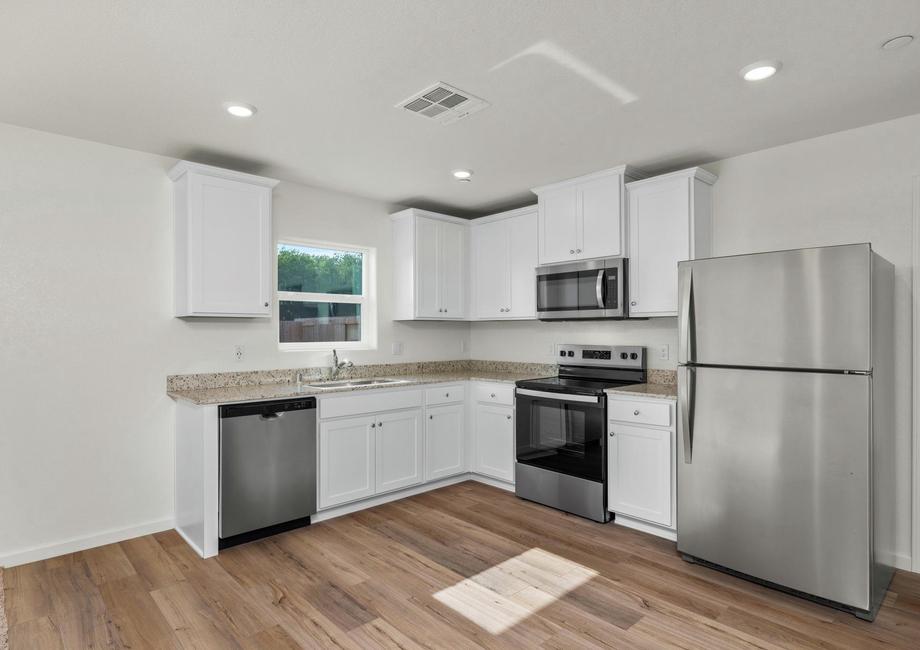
[[205, 392], [661, 391]]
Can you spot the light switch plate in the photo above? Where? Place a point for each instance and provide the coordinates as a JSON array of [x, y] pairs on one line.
[[397, 347], [238, 353], [664, 352]]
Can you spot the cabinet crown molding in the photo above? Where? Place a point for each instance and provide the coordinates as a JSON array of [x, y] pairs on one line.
[[184, 166], [627, 171], [508, 214], [416, 212], [693, 172]]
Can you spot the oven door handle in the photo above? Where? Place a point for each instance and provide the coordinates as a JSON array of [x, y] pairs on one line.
[[599, 287], [561, 397]]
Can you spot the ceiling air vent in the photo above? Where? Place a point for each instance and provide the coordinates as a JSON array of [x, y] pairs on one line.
[[443, 103]]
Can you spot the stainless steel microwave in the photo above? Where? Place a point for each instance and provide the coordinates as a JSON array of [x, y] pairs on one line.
[[588, 289]]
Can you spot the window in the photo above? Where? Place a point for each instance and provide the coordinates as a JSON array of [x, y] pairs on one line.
[[325, 296]]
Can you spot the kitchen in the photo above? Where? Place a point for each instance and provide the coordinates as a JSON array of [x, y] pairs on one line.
[[842, 183]]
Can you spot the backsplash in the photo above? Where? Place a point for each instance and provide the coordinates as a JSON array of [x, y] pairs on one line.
[[658, 376], [289, 375]]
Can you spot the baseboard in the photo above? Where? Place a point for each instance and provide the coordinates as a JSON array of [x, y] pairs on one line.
[[494, 482], [82, 543], [348, 508], [902, 562], [644, 527]]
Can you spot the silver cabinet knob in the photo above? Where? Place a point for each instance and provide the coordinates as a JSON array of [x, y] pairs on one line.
[[492, 395], [611, 434], [373, 426], [636, 412], [633, 303], [266, 304], [508, 416], [577, 250], [446, 394], [571, 251], [431, 417], [380, 424]]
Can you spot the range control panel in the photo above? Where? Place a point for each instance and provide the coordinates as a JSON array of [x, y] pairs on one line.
[[617, 356]]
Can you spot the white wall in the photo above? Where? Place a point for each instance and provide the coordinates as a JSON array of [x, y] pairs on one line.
[[853, 186], [87, 338]]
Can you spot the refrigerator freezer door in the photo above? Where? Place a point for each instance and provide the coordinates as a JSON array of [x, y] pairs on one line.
[[807, 308], [777, 485]]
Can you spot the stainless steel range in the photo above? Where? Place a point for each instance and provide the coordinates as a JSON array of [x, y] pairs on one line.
[[561, 423]]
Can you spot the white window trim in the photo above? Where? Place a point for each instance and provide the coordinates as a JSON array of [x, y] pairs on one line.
[[368, 301]]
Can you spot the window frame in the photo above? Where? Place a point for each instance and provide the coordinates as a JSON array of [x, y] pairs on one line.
[[367, 300]]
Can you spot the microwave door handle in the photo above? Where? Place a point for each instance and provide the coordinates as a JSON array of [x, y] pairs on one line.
[[599, 288]]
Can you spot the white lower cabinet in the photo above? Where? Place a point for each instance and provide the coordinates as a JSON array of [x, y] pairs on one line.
[[445, 439], [400, 449], [347, 460], [641, 464], [493, 441]]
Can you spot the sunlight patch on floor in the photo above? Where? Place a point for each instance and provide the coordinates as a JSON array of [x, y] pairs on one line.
[[504, 595]]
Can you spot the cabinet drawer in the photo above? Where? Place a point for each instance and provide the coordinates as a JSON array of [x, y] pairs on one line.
[[447, 394], [495, 393], [370, 402], [636, 412]]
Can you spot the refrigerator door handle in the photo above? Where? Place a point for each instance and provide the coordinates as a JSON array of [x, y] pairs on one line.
[[685, 380], [685, 344]]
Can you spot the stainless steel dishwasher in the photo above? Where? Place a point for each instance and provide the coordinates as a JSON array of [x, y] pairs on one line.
[[267, 468]]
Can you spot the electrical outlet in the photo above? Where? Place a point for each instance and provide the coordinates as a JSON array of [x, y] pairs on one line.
[[397, 347], [664, 352], [462, 346], [238, 353]]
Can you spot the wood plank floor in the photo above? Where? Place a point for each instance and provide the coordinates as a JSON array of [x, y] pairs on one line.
[[465, 566]]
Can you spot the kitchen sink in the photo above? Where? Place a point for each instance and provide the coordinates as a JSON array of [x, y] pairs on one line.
[[347, 383]]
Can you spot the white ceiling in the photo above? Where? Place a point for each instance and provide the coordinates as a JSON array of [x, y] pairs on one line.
[[575, 86]]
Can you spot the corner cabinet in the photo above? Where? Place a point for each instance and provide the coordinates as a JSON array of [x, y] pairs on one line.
[[223, 242], [669, 221], [641, 464], [429, 266], [503, 256], [585, 217]]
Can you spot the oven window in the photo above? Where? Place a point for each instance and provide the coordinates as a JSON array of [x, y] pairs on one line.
[[564, 437], [567, 291]]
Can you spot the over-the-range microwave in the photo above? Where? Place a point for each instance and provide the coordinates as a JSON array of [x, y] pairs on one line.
[[586, 289]]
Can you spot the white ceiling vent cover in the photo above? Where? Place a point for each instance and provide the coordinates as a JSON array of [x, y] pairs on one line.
[[443, 103]]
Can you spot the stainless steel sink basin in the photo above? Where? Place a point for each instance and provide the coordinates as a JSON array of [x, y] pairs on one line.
[[347, 383]]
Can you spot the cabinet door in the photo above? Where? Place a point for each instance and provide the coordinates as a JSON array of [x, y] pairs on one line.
[[347, 458], [491, 267], [445, 437], [427, 268], [494, 441], [452, 268], [557, 229], [600, 213], [639, 473], [659, 237], [229, 247], [399, 450], [522, 238]]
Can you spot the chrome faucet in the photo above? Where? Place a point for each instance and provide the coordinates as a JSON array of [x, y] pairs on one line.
[[337, 365]]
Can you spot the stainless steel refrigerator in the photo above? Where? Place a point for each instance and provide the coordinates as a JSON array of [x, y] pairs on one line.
[[785, 422]]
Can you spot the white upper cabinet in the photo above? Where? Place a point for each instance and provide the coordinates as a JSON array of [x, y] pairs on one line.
[[584, 218], [429, 266], [669, 221], [223, 242], [503, 259]]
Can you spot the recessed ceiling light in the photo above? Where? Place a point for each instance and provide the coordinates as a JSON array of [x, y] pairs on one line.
[[237, 109], [760, 70], [897, 42], [463, 175]]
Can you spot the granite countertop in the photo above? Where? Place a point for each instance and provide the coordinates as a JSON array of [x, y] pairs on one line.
[[660, 391], [252, 393]]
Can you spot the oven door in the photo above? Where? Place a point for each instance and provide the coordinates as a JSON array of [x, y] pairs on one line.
[[591, 289], [561, 432]]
